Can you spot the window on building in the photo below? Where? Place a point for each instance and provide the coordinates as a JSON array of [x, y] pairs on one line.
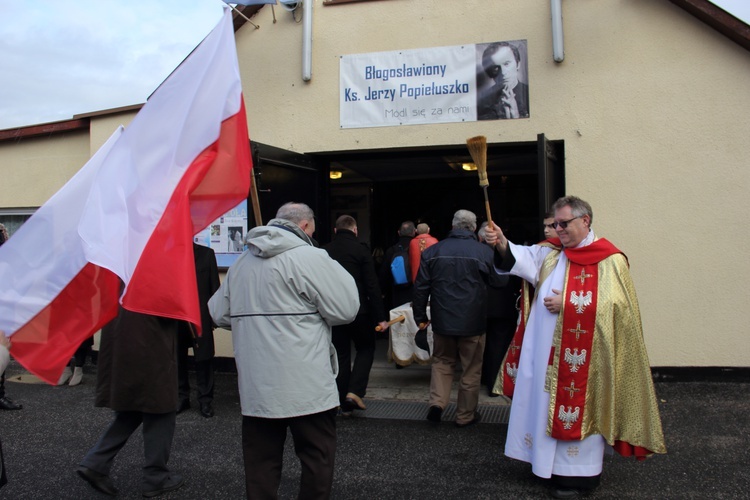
[[14, 218]]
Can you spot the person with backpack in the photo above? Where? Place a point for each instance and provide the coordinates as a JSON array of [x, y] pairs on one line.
[[395, 260]]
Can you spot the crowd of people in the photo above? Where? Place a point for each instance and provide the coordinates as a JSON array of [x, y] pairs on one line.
[[554, 325]]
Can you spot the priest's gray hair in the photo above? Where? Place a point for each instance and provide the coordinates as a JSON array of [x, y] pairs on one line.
[[464, 219], [577, 206], [295, 212]]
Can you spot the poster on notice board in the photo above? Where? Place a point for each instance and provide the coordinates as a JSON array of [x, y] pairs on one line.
[[226, 235]]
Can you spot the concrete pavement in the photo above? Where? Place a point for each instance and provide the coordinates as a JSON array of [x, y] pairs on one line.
[[707, 427]]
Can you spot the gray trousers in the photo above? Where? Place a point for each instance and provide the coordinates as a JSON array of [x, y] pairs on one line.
[[158, 432]]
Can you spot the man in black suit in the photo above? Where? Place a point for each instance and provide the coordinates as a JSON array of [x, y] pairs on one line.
[[207, 277], [357, 260]]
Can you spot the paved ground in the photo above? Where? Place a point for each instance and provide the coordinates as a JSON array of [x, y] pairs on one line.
[[707, 427]]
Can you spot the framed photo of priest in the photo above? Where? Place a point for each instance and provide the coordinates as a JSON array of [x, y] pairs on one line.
[[502, 80]]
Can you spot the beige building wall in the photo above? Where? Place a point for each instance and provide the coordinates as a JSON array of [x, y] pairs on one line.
[[653, 106], [651, 103], [34, 169]]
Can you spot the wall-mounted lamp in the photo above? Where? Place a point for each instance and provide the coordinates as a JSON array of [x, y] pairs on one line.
[[336, 174], [469, 167]]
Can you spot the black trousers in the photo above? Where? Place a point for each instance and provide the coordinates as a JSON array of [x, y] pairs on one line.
[[204, 371], [3, 478], [263, 452], [158, 432], [354, 378], [83, 351], [499, 335]]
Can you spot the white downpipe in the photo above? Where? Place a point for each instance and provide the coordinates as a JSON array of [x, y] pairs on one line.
[[307, 39], [558, 51]]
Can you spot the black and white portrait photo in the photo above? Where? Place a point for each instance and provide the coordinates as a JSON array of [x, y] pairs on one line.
[[502, 80]]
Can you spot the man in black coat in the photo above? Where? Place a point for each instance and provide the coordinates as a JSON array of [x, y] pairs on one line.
[[454, 275], [207, 277], [357, 260], [137, 378]]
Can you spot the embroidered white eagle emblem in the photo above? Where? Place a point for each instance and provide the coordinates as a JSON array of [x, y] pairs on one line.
[[512, 370], [568, 418], [574, 359], [580, 301]]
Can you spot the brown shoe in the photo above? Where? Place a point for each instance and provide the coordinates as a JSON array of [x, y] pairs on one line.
[[477, 418], [355, 401]]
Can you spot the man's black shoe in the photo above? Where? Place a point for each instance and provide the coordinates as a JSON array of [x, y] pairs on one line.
[[8, 404], [477, 418], [173, 482], [184, 405], [207, 410], [100, 482], [565, 493], [434, 414]]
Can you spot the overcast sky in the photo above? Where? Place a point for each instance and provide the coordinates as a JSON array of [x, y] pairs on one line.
[[60, 58]]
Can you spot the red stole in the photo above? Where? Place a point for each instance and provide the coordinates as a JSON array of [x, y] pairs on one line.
[[578, 327]]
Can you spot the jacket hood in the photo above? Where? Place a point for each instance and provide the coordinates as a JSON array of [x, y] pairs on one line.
[[278, 236]]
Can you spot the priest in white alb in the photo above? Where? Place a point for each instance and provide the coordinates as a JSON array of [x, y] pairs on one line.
[[577, 367]]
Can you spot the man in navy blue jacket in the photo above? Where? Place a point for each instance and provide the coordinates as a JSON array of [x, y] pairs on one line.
[[453, 276]]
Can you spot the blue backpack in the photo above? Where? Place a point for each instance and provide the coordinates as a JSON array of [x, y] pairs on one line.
[[400, 269]]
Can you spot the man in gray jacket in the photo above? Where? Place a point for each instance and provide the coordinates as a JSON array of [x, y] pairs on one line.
[[280, 300]]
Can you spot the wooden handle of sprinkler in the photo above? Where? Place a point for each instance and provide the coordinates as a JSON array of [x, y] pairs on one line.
[[397, 319], [487, 207]]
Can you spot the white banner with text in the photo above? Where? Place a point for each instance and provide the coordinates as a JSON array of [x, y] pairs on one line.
[[434, 85]]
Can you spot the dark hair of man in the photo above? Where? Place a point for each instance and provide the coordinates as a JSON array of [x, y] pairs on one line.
[[295, 212], [346, 222], [577, 206], [487, 61], [407, 229]]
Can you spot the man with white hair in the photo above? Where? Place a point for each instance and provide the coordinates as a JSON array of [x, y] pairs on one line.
[[280, 300], [453, 276]]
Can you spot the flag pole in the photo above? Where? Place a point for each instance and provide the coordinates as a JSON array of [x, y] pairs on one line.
[[243, 15], [256, 202]]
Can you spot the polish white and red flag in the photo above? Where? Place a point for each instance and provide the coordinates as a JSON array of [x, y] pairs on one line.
[[130, 213]]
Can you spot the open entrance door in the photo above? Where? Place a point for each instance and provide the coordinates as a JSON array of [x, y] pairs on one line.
[[382, 188], [551, 175], [282, 176]]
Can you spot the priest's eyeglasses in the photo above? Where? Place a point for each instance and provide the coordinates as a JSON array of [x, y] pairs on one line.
[[563, 224]]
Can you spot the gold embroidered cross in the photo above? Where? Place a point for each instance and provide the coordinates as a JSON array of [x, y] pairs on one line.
[[582, 277], [572, 389], [578, 331], [513, 347]]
